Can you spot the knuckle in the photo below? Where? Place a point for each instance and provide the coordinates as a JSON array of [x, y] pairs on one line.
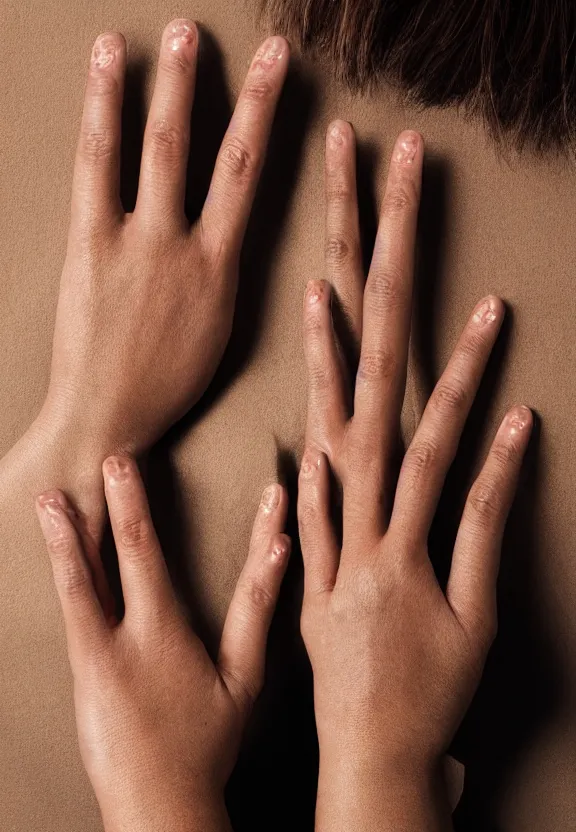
[[96, 144], [72, 578], [399, 200], [60, 546], [504, 454], [166, 140], [385, 288], [236, 158], [134, 535], [307, 513], [473, 345], [450, 395], [102, 84], [321, 378], [174, 63], [337, 249], [260, 596], [313, 323], [377, 366], [421, 458], [338, 191], [484, 502], [258, 90]]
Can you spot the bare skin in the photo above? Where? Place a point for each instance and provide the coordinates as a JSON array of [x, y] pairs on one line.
[[144, 314], [396, 660], [147, 273], [159, 724]]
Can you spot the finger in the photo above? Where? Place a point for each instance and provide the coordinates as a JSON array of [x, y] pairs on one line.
[[327, 406], [145, 580], [84, 619], [343, 247], [435, 443], [242, 653], [241, 156], [471, 588], [162, 186], [96, 182], [386, 329], [319, 545]]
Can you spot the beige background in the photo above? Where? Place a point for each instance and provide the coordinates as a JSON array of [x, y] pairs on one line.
[[489, 224]]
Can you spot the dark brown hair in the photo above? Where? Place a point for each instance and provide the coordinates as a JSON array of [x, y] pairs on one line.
[[513, 62]]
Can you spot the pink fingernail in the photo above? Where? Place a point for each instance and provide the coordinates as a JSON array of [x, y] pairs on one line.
[[271, 52], [486, 313], [104, 52], [181, 34], [336, 135], [406, 148], [270, 499], [315, 291], [116, 469], [310, 463], [519, 419]]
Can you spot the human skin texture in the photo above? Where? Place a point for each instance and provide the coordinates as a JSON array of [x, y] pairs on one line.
[[159, 723], [396, 659], [146, 301]]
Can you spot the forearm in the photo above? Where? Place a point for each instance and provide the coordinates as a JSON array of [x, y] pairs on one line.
[[358, 796]]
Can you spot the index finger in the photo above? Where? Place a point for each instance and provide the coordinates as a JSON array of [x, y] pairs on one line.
[[241, 156]]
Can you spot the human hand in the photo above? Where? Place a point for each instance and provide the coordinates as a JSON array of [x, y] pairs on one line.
[[396, 659], [146, 301], [159, 723]]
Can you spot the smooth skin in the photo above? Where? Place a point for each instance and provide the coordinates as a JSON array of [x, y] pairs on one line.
[[146, 301], [396, 660], [159, 723], [144, 313]]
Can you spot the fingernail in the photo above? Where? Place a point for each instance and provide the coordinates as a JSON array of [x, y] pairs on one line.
[[50, 515], [181, 34], [486, 313], [270, 499], [271, 51], [104, 51], [336, 135], [406, 148], [519, 419], [310, 463], [53, 500], [116, 469], [315, 291]]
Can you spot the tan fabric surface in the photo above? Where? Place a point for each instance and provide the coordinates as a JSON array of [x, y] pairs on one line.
[[488, 225]]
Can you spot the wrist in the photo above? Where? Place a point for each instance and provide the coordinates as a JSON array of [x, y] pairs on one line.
[[192, 813], [381, 792]]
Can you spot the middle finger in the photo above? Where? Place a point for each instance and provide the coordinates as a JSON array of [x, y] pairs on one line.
[[167, 137]]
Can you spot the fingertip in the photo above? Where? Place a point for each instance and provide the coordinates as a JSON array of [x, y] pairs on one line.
[[181, 35], [273, 51], [117, 469], [519, 421], [490, 309], [408, 147], [316, 292], [338, 134], [54, 499], [312, 462], [109, 49]]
